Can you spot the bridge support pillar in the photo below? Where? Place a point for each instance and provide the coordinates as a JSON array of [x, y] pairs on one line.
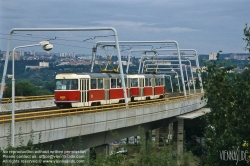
[[148, 136], [160, 136], [178, 135], [92, 154], [98, 150]]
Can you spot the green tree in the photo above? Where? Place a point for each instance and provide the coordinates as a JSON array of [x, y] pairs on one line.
[[247, 37], [25, 88], [228, 96], [194, 128], [197, 83], [175, 85], [50, 85], [22, 88]]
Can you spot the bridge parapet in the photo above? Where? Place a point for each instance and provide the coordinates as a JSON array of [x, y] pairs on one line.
[[57, 128], [6, 107]]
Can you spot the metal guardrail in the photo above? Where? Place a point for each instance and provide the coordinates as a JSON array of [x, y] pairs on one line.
[[27, 98], [81, 110]]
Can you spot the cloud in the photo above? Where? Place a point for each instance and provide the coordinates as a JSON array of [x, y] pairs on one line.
[[217, 24], [169, 30], [143, 26], [121, 23]]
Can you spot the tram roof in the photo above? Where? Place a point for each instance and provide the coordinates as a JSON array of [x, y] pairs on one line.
[[107, 75], [91, 75], [151, 75]]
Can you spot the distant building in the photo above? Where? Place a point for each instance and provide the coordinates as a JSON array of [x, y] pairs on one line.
[[86, 57], [21, 53], [41, 65], [67, 54], [240, 56], [233, 56], [212, 56], [44, 64], [16, 55], [63, 63], [123, 63], [33, 53], [124, 57]]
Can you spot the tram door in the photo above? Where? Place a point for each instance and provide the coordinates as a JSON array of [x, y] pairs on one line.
[[106, 89], [153, 86], [84, 87], [141, 85], [128, 85]]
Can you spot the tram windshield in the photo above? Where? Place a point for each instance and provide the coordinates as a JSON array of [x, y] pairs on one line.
[[66, 84]]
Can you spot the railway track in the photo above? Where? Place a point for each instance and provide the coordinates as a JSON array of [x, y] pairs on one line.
[[43, 113]]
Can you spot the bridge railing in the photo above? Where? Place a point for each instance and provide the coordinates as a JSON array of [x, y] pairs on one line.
[[90, 109]]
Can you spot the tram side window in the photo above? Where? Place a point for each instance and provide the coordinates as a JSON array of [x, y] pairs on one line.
[[100, 83], [134, 82], [113, 83], [162, 81], [151, 82], [93, 83], [125, 80], [158, 82], [119, 83], [146, 82], [73, 85]]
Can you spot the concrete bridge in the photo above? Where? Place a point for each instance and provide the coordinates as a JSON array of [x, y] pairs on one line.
[[97, 128]]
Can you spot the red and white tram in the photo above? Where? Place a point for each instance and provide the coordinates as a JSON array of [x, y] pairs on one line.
[[88, 89]]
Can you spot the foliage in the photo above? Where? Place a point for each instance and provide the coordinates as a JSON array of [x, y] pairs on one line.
[[146, 154], [176, 85], [26, 88], [36, 153], [228, 96], [247, 37], [197, 83], [194, 129]]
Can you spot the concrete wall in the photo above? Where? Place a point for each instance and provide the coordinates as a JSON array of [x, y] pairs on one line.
[[57, 128], [27, 105]]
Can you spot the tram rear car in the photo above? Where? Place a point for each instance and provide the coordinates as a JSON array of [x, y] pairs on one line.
[[88, 89]]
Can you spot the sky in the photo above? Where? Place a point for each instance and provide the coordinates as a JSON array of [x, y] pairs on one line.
[[205, 25]]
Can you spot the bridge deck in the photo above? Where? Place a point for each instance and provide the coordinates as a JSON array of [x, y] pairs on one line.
[[74, 124]]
